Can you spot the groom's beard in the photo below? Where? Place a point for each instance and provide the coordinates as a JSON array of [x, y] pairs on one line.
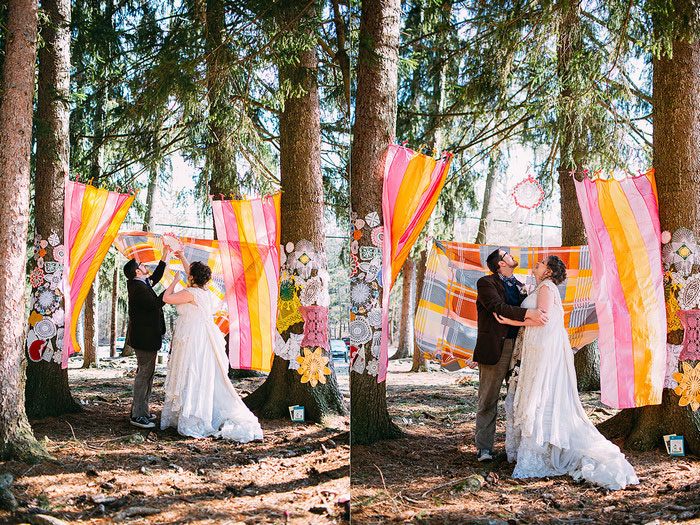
[[515, 263]]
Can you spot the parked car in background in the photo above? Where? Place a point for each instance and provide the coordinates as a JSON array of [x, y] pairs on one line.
[[339, 349]]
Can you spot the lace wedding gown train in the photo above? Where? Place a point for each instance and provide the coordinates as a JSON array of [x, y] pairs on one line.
[[200, 400], [548, 432]]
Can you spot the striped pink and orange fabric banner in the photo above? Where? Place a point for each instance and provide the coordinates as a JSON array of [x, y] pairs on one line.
[[249, 240], [92, 218], [624, 238], [412, 184]]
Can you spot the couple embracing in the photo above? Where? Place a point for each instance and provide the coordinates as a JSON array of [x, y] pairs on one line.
[[200, 400], [523, 339]]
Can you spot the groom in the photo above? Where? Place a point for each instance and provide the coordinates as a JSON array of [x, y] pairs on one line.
[[145, 333], [501, 293]]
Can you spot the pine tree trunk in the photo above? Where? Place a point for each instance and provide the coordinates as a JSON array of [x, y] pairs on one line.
[[302, 218], [16, 112], [676, 101], [418, 356], [572, 158], [374, 128], [405, 347], [47, 391], [491, 175], [114, 313], [152, 186], [91, 335]]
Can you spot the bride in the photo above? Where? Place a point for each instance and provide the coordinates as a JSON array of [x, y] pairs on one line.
[[200, 400], [548, 432]]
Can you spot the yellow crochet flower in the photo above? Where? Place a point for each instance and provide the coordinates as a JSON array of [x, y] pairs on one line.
[[34, 318], [312, 366], [688, 386]]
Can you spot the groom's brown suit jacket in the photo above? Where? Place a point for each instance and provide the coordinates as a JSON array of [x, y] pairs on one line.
[[491, 297]]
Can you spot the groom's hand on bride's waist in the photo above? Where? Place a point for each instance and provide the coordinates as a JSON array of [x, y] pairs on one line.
[[538, 316]]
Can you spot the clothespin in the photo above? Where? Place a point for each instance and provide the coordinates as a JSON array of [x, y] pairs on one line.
[[232, 197], [640, 172], [90, 182], [221, 195], [119, 189], [572, 173], [404, 143]]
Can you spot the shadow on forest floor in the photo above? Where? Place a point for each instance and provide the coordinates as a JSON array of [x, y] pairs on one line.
[[429, 476], [108, 471]]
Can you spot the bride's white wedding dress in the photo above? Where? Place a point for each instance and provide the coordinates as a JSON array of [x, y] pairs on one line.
[[548, 432], [200, 400]]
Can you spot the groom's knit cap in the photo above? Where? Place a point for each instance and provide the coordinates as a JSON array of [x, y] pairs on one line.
[[130, 268]]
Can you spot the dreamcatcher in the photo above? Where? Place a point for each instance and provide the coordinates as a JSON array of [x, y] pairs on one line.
[[527, 195]]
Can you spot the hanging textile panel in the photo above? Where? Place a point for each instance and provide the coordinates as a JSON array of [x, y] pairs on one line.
[[622, 225], [249, 240], [92, 218], [147, 248], [412, 184], [446, 319]]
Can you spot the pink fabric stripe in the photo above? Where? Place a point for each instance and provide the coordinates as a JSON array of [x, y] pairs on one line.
[[230, 255], [259, 228], [268, 207], [271, 261], [606, 334], [621, 345], [109, 210], [393, 174], [227, 271], [647, 192], [67, 200], [640, 195]]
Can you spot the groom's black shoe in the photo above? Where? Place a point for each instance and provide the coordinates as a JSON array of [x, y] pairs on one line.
[[484, 455], [142, 422]]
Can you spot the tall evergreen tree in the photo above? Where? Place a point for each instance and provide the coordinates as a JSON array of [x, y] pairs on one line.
[[18, 77], [47, 391], [302, 210], [373, 131], [676, 100]]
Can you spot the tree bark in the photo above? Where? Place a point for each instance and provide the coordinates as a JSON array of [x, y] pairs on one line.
[[676, 100], [47, 391], [374, 128], [152, 186], [91, 332], [302, 218], [494, 163], [114, 313], [572, 158], [418, 356], [405, 347], [18, 76]]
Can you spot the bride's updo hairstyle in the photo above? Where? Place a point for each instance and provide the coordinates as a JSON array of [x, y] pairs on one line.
[[200, 273], [558, 269]]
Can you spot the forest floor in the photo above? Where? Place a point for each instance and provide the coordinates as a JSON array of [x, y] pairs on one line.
[[432, 476], [107, 471]]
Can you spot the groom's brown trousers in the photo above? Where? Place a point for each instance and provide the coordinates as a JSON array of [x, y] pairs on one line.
[[490, 380]]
